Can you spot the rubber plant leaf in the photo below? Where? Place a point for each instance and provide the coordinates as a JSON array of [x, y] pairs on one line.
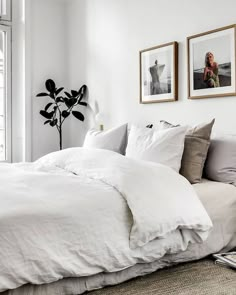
[[46, 114], [59, 90], [42, 94], [48, 106], [78, 115], [50, 85]]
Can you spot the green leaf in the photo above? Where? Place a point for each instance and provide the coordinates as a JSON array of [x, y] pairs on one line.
[[78, 115], [73, 101], [50, 85], [66, 100], [82, 103], [52, 95], [59, 99], [82, 90], [46, 115], [68, 94], [48, 106], [53, 123], [70, 102], [42, 94], [79, 97], [58, 90], [46, 122], [65, 114], [74, 93]]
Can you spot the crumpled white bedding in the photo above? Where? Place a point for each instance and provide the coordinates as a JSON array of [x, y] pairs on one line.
[[80, 212]]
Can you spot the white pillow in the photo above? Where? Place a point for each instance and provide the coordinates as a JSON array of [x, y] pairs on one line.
[[114, 139], [160, 146]]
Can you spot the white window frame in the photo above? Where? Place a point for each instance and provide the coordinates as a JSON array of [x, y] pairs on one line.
[[8, 15], [7, 93]]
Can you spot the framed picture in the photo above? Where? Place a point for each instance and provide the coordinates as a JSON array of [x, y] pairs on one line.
[[211, 63], [159, 73]]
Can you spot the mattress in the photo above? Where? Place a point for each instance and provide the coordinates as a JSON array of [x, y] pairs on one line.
[[220, 202]]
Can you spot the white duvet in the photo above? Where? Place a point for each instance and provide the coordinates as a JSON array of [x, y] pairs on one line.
[[79, 212]]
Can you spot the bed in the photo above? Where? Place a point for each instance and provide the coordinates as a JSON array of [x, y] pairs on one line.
[[194, 242]]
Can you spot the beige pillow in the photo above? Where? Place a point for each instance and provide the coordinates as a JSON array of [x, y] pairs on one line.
[[197, 141]]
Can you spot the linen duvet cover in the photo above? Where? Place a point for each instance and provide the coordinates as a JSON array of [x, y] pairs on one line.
[[80, 212]]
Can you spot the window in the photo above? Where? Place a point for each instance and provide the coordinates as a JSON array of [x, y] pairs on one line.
[[5, 10], [5, 81]]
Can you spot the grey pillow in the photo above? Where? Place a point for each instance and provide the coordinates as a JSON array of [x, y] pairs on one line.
[[221, 159], [197, 141]]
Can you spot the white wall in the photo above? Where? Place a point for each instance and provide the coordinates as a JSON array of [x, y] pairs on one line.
[[104, 40], [76, 40], [48, 60]]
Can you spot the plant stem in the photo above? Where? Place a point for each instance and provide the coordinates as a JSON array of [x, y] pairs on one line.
[[60, 131]]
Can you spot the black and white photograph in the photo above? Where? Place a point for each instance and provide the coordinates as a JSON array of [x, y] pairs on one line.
[[158, 73], [211, 63]]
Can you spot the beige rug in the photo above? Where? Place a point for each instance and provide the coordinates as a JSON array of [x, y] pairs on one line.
[[195, 278]]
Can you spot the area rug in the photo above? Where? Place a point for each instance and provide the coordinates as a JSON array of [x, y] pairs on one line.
[[202, 277]]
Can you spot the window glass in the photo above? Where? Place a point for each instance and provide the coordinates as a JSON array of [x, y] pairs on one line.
[[5, 10], [5, 93], [2, 99]]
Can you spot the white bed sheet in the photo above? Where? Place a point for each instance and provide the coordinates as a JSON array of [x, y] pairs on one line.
[[220, 202], [80, 212]]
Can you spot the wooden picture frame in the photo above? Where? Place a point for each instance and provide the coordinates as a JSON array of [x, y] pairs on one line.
[[158, 69], [211, 63]]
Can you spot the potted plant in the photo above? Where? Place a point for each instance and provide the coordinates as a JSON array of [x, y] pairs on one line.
[[61, 106]]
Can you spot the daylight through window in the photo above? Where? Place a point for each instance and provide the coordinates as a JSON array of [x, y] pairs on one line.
[[5, 81]]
